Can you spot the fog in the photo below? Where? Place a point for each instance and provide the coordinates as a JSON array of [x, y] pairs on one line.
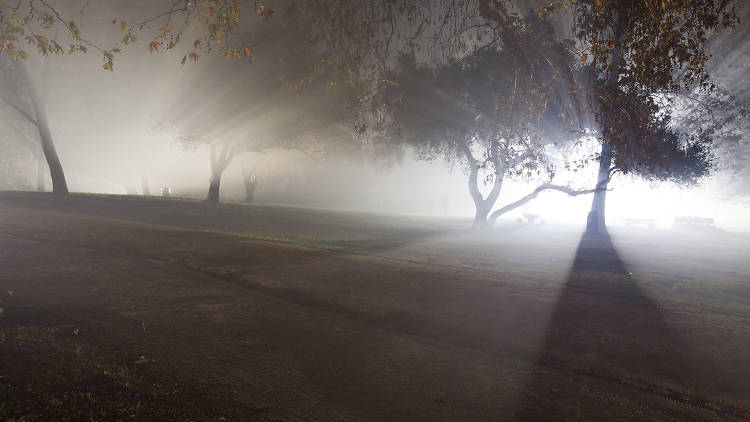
[[427, 210], [106, 129]]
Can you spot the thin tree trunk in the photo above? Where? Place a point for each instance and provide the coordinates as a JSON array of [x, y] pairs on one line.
[[596, 222], [59, 185], [251, 182]]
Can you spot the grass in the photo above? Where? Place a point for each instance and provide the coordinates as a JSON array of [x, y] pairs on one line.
[[248, 305]]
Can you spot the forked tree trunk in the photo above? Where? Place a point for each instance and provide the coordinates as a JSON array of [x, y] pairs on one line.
[[596, 222], [213, 187], [59, 185], [480, 216], [219, 163], [482, 205]]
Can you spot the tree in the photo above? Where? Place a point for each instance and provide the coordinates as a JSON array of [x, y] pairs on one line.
[[498, 113], [354, 41], [20, 93], [283, 101], [717, 116], [636, 49], [33, 24], [40, 26]]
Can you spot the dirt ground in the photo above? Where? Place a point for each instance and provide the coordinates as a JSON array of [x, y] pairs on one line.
[[118, 308]]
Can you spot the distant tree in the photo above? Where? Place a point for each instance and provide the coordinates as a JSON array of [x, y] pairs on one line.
[[353, 41], [21, 95], [279, 102], [37, 26]]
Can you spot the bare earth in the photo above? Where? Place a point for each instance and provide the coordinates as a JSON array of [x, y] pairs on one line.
[[117, 308]]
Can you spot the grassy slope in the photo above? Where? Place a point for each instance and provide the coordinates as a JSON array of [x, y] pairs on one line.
[[417, 296]]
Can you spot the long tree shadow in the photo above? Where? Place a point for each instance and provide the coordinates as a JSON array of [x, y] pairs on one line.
[[607, 351]]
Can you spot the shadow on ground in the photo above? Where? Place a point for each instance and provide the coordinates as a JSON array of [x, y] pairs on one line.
[[607, 336]]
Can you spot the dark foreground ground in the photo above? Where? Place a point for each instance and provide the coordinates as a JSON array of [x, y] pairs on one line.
[[146, 309]]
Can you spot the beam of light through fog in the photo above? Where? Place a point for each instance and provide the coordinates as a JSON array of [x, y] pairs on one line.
[[103, 124]]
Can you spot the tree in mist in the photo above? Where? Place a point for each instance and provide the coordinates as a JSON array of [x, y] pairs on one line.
[[35, 26], [498, 113], [21, 94], [637, 49], [40, 27], [279, 102]]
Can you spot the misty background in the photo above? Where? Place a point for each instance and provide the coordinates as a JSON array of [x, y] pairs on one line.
[[106, 129]]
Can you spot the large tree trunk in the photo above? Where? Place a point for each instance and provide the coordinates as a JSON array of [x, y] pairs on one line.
[[596, 222], [59, 185], [483, 205], [213, 188], [219, 163], [480, 216]]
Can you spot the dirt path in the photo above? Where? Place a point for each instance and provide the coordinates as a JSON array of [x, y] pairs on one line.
[[108, 319]]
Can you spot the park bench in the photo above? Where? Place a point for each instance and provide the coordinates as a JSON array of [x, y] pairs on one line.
[[693, 222]]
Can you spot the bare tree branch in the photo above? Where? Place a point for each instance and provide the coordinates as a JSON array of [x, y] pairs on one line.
[[536, 192]]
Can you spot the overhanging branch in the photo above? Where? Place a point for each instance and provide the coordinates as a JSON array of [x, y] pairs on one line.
[[537, 191]]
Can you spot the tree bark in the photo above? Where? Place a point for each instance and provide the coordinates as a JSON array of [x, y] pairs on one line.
[[482, 205], [213, 188], [59, 185], [596, 222], [219, 163], [480, 217]]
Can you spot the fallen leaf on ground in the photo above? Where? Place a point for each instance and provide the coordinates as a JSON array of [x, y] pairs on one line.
[[142, 360]]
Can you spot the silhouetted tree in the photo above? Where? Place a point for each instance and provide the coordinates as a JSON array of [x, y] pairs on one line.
[[635, 50], [21, 94], [498, 113]]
